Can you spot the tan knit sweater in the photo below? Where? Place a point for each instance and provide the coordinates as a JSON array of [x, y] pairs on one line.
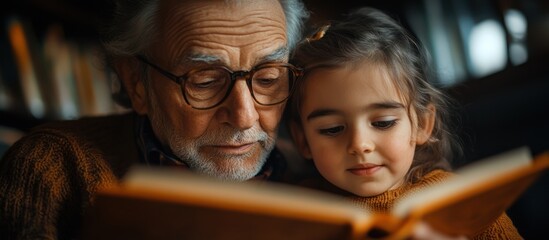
[[47, 179], [502, 228]]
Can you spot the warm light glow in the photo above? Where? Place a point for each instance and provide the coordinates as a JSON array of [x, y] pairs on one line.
[[487, 48], [518, 53], [515, 23]]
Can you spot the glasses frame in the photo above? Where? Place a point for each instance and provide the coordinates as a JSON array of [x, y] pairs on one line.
[[235, 75]]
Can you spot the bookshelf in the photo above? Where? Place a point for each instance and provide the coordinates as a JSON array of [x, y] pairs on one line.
[[50, 68]]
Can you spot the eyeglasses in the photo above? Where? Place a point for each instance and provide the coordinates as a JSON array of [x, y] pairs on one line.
[[205, 88]]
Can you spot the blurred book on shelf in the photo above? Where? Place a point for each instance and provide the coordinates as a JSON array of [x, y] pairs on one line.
[[92, 83], [24, 49], [57, 56]]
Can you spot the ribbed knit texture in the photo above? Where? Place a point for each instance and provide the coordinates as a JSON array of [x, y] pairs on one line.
[[47, 179], [502, 228]]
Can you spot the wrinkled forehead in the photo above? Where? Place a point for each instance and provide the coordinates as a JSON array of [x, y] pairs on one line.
[[229, 30]]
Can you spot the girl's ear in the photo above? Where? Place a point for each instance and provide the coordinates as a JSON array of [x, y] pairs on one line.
[[301, 142], [127, 70], [428, 123]]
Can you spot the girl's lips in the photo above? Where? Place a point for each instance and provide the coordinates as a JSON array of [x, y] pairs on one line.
[[364, 169]]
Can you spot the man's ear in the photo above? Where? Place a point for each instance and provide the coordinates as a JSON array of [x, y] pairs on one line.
[[127, 70], [301, 142], [425, 129]]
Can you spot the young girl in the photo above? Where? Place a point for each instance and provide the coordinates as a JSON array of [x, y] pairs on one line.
[[367, 115]]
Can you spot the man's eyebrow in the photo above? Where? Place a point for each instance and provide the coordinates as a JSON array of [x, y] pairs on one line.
[[201, 58], [328, 111], [276, 56]]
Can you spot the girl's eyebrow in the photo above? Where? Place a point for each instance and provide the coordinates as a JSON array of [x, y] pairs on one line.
[[328, 111], [386, 105], [322, 112]]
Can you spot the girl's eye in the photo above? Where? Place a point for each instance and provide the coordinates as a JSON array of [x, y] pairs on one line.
[[331, 131], [383, 125]]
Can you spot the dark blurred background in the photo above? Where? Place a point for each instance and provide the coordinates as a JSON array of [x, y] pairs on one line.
[[490, 55]]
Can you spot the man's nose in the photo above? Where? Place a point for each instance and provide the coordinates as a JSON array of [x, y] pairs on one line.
[[240, 106]]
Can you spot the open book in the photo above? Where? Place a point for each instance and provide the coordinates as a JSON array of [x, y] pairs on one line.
[[173, 204]]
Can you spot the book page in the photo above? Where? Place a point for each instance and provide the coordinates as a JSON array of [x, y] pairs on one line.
[[467, 176], [470, 201], [264, 196]]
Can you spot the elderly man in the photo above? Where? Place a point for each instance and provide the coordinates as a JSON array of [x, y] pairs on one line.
[[214, 82], [207, 82]]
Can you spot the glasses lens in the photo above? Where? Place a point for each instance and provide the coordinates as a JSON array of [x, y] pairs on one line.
[[271, 85], [205, 88]]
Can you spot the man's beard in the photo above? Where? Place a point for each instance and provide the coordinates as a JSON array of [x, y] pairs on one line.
[[235, 167]]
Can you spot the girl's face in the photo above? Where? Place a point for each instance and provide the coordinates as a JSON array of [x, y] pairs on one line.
[[357, 129]]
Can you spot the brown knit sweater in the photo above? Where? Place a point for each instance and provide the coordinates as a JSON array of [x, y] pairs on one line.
[[502, 228], [48, 177]]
